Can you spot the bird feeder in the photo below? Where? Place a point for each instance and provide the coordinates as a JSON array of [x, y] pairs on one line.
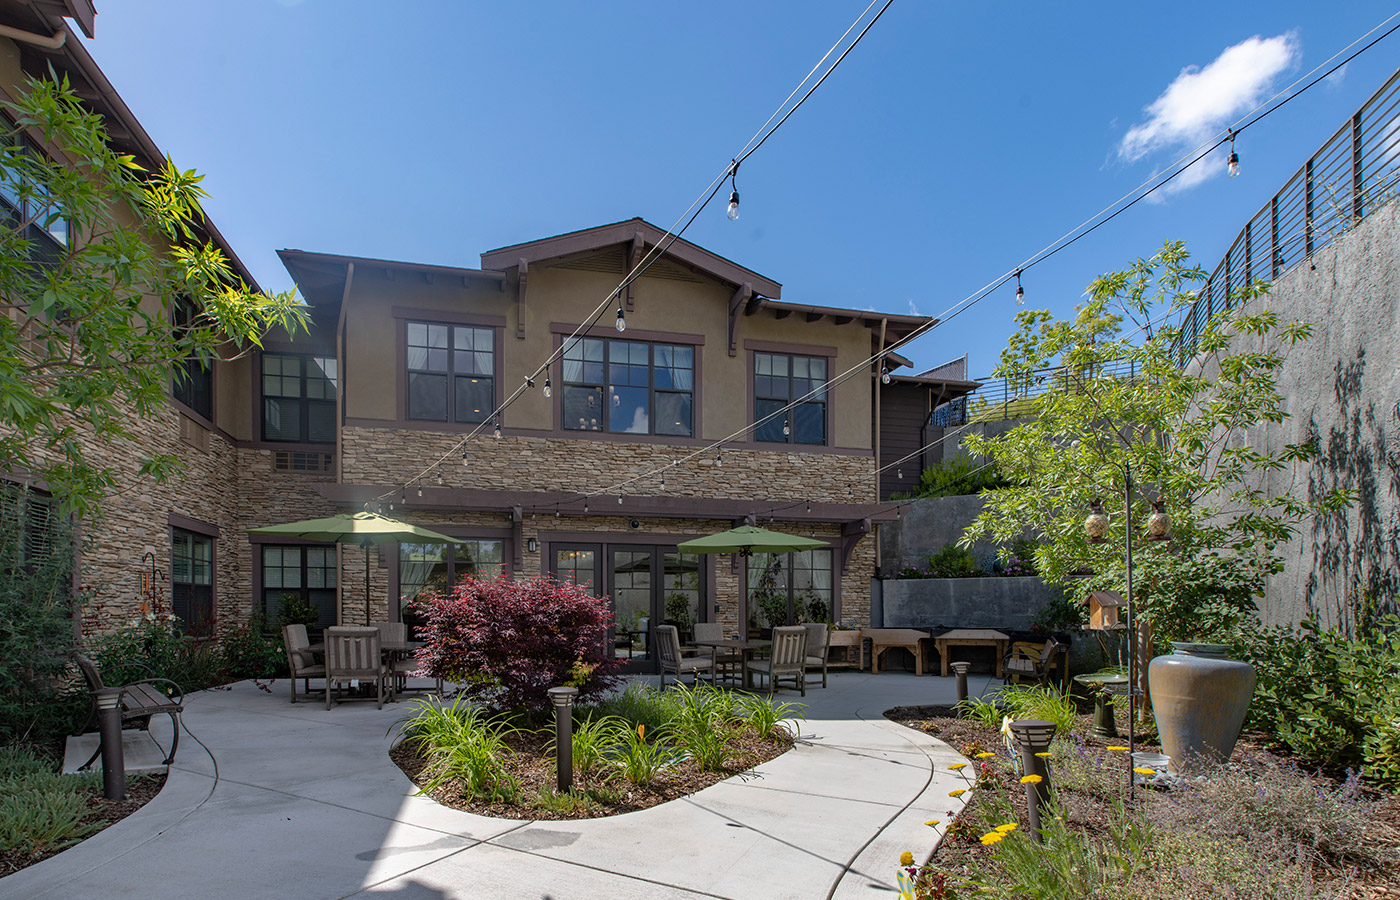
[[1104, 610]]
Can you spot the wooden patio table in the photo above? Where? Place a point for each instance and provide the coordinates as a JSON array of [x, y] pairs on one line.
[[882, 639], [745, 648], [972, 637]]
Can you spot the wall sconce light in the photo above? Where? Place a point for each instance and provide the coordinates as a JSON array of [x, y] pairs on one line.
[[532, 544]]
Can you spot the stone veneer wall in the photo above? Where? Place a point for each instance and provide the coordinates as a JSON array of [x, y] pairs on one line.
[[392, 456]]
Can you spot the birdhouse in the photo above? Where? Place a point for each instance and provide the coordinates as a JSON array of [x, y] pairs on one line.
[[1104, 610]]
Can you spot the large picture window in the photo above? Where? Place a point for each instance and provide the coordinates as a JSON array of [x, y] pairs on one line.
[[192, 580], [451, 372], [193, 377], [629, 387], [780, 378], [298, 398], [299, 575], [429, 568], [785, 588]]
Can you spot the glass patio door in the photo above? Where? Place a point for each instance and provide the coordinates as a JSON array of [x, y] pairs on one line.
[[652, 586]]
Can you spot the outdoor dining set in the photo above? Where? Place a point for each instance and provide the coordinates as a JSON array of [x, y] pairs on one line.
[[376, 654], [793, 651]]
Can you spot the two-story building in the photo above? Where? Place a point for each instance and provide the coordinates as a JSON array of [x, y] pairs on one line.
[[424, 354]]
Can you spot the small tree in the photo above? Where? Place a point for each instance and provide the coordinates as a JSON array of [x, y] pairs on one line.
[[509, 641], [1126, 405], [88, 339]]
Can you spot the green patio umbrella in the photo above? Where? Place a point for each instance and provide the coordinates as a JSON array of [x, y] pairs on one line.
[[747, 539], [363, 528]]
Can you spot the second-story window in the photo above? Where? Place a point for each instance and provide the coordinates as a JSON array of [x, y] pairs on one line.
[[451, 372], [779, 379], [27, 201], [193, 377], [298, 398], [629, 387]]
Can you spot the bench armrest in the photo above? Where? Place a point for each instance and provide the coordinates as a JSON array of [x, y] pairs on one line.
[[179, 691]]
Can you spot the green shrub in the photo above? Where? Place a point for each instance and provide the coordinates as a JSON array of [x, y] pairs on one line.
[[763, 715], [1332, 699], [37, 606], [41, 810], [954, 477], [705, 727], [1060, 614], [248, 652], [591, 739], [294, 609], [639, 704], [641, 761]]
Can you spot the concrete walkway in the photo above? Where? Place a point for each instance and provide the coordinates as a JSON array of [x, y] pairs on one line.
[[285, 801]]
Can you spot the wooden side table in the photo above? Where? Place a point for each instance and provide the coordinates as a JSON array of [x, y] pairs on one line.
[[882, 639], [852, 642], [972, 637]]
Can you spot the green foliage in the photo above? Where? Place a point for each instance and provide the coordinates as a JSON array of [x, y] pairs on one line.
[[1177, 429], [590, 740], [678, 610], [707, 727], [41, 810], [639, 704], [86, 344], [1060, 613], [248, 652], [950, 562], [984, 712], [1025, 702], [460, 743], [954, 477], [1333, 700], [294, 609], [640, 761], [37, 607], [764, 715]]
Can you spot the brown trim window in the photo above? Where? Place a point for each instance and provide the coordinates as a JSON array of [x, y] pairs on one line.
[[192, 580], [306, 573], [780, 378], [193, 377], [298, 398], [24, 200], [451, 372], [628, 387], [435, 568], [34, 513]]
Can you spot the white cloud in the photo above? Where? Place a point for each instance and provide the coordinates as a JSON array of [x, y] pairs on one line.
[[1201, 102], [913, 308], [1334, 80]]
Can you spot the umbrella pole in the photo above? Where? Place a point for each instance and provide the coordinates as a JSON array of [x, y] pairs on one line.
[[366, 582]]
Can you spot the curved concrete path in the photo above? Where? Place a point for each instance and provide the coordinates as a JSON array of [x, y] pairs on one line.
[[306, 805]]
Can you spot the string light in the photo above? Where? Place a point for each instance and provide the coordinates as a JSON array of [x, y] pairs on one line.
[[439, 472], [884, 375], [529, 381], [900, 474], [556, 510], [733, 209], [585, 504], [420, 488], [1020, 291], [719, 458], [619, 499], [498, 428], [548, 391], [1234, 162], [787, 429], [621, 316]]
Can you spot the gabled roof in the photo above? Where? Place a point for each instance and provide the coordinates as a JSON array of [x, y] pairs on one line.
[[640, 233], [321, 276]]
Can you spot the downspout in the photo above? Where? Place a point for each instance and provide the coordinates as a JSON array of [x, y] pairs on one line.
[[340, 428], [879, 384], [52, 42]]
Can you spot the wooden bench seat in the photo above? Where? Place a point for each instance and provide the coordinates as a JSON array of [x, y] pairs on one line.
[[139, 701]]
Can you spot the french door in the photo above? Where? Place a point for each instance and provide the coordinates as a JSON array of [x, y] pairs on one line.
[[648, 585]]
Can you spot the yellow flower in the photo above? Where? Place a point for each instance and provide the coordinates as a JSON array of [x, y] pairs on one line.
[[1031, 779], [958, 793], [933, 822], [1009, 826], [1121, 749], [984, 754], [1046, 754], [1141, 771], [906, 858], [992, 837], [958, 766]]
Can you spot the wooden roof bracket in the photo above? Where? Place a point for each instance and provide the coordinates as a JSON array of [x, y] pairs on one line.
[[851, 533], [741, 297], [520, 306], [634, 259], [517, 518]]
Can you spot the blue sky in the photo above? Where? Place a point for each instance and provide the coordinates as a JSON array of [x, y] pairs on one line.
[[955, 141]]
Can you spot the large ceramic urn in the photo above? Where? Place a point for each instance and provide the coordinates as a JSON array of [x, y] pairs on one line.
[[1200, 698]]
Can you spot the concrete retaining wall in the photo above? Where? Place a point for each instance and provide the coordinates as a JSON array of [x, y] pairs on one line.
[[943, 603]]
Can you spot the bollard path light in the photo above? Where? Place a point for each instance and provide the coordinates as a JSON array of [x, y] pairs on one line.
[[109, 726], [563, 700], [960, 670], [1032, 737]]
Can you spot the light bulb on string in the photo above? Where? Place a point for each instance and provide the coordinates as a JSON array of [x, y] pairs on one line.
[[1234, 160], [548, 391], [1020, 291], [498, 428], [787, 429], [899, 473], [619, 499], [719, 458], [556, 512], [439, 478], [585, 504], [733, 209], [621, 318], [884, 375]]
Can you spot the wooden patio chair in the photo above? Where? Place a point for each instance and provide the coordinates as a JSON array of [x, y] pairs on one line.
[[816, 647], [300, 660], [788, 658], [1032, 661], [393, 637], [728, 663], [353, 653], [668, 647]]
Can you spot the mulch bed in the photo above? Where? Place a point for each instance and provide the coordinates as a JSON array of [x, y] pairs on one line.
[[139, 791], [960, 850], [532, 764]]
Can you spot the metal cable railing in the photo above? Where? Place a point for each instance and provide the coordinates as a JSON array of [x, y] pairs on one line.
[[1353, 173], [1015, 398]]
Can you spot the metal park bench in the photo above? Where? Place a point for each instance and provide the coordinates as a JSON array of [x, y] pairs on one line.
[[139, 701]]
